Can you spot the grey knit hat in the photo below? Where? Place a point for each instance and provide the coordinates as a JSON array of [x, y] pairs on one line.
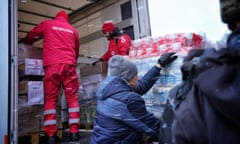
[[121, 67]]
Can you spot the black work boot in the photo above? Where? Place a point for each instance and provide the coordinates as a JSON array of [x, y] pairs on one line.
[[52, 140], [74, 137], [65, 125]]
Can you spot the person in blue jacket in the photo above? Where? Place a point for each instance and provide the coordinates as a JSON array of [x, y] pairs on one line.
[[121, 113]]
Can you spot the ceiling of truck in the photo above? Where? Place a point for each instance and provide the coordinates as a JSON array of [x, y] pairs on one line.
[[32, 12]]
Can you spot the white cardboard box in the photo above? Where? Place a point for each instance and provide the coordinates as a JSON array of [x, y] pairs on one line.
[[35, 93], [34, 66]]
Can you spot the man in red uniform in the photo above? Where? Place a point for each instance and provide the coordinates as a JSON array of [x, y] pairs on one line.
[[60, 53], [119, 43]]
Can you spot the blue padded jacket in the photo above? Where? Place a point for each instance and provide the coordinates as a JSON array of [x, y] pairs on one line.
[[121, 116]]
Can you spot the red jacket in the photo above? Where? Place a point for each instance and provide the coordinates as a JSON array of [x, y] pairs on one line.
[[120, 46], [60, 41]]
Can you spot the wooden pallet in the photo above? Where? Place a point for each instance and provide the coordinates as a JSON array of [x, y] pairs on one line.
[[36, 137]]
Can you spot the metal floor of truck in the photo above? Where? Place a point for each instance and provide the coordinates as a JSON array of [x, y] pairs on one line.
[[84, 138]]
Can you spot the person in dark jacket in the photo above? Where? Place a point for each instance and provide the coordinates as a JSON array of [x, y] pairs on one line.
[[207, 103], [121, 113]]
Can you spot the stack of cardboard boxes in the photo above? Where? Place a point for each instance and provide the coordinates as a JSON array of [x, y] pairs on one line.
[[30, 91]]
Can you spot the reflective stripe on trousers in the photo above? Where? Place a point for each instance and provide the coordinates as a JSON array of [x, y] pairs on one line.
[[55, 76], [73, 111]]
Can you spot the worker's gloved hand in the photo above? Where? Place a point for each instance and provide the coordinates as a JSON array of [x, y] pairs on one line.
[[94, 63], [166, 59], [99, 60]]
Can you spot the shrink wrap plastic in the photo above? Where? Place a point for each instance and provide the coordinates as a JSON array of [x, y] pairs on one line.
[[145, 53], [30, 70], [179, 42]]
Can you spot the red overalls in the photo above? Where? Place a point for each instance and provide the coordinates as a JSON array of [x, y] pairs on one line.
[[60, 53]]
